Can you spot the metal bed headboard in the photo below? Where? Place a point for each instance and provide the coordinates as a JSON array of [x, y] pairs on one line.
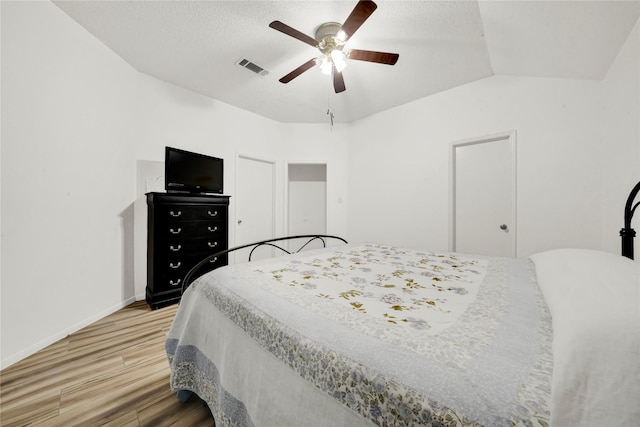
[[194, 272], [628, 233]]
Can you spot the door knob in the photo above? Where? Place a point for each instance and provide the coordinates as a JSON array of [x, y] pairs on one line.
[[504, 227]]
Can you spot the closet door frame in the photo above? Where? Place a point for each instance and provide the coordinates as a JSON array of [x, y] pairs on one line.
[[510, 137], [287, 182], [240, 256]]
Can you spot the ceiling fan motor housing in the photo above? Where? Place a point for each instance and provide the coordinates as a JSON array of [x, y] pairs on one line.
[[326, 35]]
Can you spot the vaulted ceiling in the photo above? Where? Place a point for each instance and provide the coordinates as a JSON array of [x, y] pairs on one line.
[[442, 44]]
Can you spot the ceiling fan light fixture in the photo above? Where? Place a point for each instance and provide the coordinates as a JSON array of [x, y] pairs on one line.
[[330, 44], [330, 39], [325, 64], [335, 58], [338, 58]]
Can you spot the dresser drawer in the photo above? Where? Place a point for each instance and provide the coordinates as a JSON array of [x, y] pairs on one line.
[[194, 246], [191, 212], [170, 272], [183, 229]]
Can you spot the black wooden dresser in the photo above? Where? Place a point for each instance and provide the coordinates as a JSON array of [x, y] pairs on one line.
[[182, 230]]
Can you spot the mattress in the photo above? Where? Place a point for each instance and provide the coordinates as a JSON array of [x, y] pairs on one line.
[[367, 334]]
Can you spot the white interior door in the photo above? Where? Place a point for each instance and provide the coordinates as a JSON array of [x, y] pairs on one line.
[[307, 200], [483, 196], [255, 205]]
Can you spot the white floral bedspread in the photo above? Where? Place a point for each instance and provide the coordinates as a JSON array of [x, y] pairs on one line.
[[411, 289], [366, 334]]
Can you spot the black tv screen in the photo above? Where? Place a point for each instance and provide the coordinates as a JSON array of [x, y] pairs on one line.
[[185, 171]]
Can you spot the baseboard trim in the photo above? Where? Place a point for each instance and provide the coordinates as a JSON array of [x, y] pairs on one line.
[[32, 349]]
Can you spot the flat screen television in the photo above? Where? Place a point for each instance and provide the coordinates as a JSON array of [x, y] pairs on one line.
[[188, 172]]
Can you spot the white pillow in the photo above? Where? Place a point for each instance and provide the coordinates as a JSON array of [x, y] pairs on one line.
[[594, 300]]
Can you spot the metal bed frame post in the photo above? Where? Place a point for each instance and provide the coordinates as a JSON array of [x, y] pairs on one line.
[[627, 233]]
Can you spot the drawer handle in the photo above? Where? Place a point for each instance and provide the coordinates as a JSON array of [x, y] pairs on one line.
[[174, 248], [172, 265], [172, 283], [172, 231], [175, 215], [212, 245], [214, 259], [212, 229], [214, 213]]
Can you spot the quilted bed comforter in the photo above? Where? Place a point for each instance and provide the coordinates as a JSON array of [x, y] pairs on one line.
[[361, 335]]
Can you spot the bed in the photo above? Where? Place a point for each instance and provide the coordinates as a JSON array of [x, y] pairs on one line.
[[370, 334]]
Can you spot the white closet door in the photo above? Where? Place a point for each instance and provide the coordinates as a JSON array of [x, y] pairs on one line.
[[255, 205], [484, 196]]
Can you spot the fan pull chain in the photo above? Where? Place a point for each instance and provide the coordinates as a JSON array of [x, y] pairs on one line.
[[329, 111], [331, 116]]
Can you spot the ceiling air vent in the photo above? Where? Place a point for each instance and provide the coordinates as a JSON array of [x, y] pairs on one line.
[[245, 63]]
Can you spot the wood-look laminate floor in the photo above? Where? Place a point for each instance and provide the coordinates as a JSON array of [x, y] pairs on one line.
[[112, 373]]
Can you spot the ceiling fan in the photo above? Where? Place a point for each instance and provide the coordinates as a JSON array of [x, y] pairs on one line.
[[330, 39]]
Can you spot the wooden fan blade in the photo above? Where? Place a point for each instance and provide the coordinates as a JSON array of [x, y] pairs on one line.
[[372, 56], [301, 69], [338, 81], [359, 14], [284, 28]]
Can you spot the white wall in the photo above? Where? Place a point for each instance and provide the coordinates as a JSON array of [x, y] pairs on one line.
[[621, 141], [67, 133], [172, 116], [77, 123], [317, 143], [180, 118], [578, 158], [399, 163]]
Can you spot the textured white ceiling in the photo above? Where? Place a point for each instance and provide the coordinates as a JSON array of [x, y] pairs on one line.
[[442, 44]]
